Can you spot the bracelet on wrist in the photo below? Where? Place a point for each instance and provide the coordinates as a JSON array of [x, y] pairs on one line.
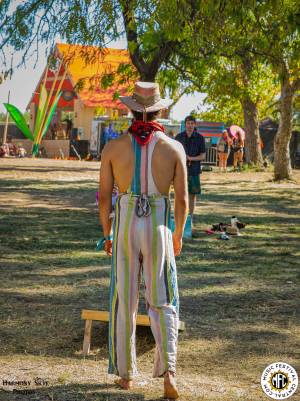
[[102, 241]]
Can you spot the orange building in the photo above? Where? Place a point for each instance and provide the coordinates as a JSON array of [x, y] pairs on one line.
[[84, 93]]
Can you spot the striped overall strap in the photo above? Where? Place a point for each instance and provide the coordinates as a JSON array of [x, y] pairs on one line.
[[142, 181], [139, 183]]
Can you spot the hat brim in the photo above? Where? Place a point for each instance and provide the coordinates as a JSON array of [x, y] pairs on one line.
[[132, 104]]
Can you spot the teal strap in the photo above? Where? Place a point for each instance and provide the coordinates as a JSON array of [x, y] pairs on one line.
[[101, 242], [136, 180]]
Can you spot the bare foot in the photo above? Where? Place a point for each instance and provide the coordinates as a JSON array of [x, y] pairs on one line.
[[170, 388], [124, 383]]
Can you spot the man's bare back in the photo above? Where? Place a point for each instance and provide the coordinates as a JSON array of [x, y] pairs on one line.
[[168, 167], [168, 157]]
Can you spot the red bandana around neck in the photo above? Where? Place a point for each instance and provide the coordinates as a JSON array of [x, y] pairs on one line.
[[143, 132]]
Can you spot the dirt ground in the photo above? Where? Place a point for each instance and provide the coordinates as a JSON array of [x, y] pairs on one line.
[[239, 298]]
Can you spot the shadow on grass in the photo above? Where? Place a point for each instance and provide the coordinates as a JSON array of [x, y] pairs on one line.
[[50, 271], [73, 392], [253, 203], [63, 194], [48, 169], [52, 262], [243, 326]]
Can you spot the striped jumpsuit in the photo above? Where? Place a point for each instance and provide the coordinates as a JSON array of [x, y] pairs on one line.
[[142, 244]]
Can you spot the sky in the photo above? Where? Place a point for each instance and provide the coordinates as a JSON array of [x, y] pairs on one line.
[[24, 80]]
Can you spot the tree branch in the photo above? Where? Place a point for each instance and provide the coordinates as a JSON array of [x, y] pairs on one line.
[[162, 54], [296, 85], [177, 98], [132, 36], [184, 73]]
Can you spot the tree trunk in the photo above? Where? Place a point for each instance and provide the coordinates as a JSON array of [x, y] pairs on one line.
[[147, 67], [251, 125], [147, 74], [282, 159]]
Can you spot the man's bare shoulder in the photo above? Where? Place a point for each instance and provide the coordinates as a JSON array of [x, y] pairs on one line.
[[173, 145], [115, 145]]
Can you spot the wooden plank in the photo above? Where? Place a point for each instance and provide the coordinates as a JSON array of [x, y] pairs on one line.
[[95, 315], [103, 316], [87, 337], [181, 326]]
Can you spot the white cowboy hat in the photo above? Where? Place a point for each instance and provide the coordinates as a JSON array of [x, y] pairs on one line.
[[145, 98]]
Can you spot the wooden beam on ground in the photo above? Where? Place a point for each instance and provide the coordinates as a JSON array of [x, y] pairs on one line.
[[103, 316]]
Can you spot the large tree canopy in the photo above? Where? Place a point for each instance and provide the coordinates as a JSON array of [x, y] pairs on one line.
[[248, 35], [181, 41], [279, 43], [148, 26]]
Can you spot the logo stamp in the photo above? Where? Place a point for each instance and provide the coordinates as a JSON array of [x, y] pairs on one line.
[[23, 386], [279, 380]]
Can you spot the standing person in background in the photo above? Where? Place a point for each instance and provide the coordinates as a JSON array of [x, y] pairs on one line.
[[68, 128], [223, 148], [194, 146], [238, 151]]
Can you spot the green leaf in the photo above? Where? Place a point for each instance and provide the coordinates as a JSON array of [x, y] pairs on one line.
[[50, 114], [116, 95], [41, 110], [19, 119], [107, 80]]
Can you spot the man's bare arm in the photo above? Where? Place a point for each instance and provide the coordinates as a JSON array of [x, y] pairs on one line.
[[106, 184], [181, 194]]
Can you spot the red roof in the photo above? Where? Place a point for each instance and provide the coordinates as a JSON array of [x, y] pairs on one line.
[[86, 65]]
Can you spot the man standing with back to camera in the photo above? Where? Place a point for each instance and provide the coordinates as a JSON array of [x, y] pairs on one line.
[[143, 164], [194, 146]]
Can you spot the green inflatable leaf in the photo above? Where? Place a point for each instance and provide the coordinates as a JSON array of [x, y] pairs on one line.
[[35, 149], [50, 115], [17, 116], [41, 110]]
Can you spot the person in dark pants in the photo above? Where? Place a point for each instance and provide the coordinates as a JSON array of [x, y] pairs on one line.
[[194, 145]]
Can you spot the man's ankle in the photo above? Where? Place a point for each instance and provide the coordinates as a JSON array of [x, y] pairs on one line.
[[169, 373]]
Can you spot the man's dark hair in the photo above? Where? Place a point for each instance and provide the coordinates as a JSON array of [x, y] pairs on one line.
[[151, 116], [189, 118]]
